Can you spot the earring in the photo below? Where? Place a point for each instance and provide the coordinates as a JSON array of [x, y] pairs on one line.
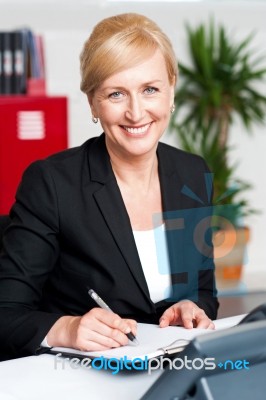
[[95, 120], [172, 109]]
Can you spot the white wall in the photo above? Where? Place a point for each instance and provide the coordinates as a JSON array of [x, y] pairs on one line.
[[66, 24]]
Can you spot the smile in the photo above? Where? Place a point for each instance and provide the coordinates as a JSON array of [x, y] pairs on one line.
[[137, 131]]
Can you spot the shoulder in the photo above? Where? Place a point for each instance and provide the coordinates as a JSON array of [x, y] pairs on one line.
[[174, 158], [64, 171], [188, 171], [72, 155], [69, 161], [47, 183]]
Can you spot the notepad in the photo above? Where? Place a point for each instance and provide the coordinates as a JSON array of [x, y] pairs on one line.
[[153, 341]]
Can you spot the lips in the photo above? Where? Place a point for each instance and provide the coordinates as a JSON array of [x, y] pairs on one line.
[[137, 130]]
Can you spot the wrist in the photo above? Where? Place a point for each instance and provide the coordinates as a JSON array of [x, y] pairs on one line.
[[62, 333]]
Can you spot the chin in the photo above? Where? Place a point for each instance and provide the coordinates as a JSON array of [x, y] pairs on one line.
[[141, 150]]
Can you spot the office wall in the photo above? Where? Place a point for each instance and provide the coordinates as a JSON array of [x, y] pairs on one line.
[[66, 24]]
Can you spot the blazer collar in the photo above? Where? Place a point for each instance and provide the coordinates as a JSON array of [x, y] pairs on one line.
[[110, 202], [171, 180], [99, 161]]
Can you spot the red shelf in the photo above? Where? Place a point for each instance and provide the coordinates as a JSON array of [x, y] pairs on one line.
[[31, 128]]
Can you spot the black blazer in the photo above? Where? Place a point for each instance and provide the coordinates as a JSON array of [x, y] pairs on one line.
[[70, 231]]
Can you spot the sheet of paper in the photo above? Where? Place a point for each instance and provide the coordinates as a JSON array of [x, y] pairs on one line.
[[152, 339], [228, 322]]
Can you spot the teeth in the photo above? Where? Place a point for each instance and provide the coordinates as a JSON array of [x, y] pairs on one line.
[[137, 130]]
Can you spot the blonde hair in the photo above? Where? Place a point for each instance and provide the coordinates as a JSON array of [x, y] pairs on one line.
[[121, 42]]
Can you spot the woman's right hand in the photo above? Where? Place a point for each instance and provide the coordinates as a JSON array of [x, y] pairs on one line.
[[98, 329]]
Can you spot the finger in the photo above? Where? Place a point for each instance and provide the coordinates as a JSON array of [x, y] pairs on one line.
[[211, 325], [187, 317], [133, 326], [107, 325], [202, 321], [163, 322], [96, 331], [205, 323], [170, 316], [91, 341], [109, 319], [165, 319]]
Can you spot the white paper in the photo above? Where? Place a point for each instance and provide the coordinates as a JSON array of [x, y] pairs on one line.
[[152, 339]]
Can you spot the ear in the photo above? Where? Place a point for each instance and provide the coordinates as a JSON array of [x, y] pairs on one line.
[[172, 95], [90, 100]]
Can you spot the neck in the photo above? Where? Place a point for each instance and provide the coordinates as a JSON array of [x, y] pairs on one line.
[[136, 172]]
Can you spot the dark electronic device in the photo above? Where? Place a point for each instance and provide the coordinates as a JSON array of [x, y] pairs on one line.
[[257, 314], [244, 344]]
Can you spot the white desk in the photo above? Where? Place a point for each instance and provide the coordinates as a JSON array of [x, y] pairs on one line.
[[36, 378]]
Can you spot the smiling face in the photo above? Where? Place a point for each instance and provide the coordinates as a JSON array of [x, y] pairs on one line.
[[134, 107]]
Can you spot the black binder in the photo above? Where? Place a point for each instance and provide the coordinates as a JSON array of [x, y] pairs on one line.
[[1, 61], [19, 49], [7, 63], [21, 57]]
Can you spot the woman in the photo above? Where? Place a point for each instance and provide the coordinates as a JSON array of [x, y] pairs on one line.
[[86, 217]]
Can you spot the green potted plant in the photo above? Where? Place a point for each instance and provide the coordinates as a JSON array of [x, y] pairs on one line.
[[219, 84]]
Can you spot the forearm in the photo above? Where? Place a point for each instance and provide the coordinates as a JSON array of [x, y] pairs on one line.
[[209, 305], [207, 293], [22, 331]]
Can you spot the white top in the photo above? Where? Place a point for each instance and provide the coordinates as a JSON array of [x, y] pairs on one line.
[[153, 254]]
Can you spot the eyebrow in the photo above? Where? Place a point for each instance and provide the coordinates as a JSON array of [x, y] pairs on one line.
[[150, 83]]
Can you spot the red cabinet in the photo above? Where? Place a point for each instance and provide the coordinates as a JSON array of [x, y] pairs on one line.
[[31, 128]]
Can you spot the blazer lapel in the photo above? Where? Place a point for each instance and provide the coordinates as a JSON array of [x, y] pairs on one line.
[[173, 204], [110, 202], [171, 182]]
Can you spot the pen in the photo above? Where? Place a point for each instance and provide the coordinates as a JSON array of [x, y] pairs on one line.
[[103, 305]]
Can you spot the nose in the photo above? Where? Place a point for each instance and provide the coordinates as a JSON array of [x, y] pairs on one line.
[[135, 109]]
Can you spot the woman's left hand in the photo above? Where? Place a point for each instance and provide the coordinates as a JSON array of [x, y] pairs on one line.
[[187, 314]]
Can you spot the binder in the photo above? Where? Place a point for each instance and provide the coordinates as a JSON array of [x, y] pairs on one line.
[[21, 59], [40, 55], [7, 63], [1, 61], [19, 49], [154, 342], [34, 62]]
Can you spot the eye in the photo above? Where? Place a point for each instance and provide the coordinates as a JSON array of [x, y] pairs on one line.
[[151, 90], [116, 95]]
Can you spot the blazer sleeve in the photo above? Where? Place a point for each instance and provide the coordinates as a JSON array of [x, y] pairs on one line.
[[30, 251], [207, 291]]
